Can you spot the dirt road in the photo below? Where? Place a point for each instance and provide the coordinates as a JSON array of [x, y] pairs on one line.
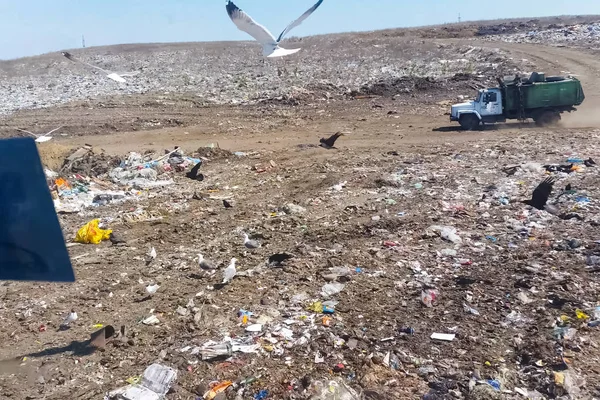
[[585, 65]]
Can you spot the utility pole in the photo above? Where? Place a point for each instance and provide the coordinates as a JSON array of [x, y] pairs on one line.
[[83, 41]]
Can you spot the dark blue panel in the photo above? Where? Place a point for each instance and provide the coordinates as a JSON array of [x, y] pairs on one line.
[[32, 246]]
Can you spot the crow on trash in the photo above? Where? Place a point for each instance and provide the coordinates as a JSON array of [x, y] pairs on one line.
[[193, 174], [541, 194], [277, 260]]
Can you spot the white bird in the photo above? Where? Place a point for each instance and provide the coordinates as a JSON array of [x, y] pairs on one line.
[[339, 187], [109, 74], [151, 289], [204, 263], [230, 271], [250, 244], [41, 138], [151, 256], [270, 45], [70, 318]]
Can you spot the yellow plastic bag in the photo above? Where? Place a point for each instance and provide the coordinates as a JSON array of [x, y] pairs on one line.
[[581, 315], [91, 233]]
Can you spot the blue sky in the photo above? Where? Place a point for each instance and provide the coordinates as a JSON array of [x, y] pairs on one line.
[[30, 27]]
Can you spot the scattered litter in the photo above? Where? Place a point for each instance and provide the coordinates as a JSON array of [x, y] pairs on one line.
[[331, 289], [332, 390], [216, 389], [151, 320], [92, 233], [156, 382], [469, 309], [443, 336], [429, 297], [254, 328], [152, 289]]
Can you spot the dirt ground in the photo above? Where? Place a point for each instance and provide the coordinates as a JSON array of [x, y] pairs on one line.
[[445, 177]]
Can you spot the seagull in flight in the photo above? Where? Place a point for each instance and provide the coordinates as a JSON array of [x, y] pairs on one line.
[[41, 138], [109, 74], [270, 45]]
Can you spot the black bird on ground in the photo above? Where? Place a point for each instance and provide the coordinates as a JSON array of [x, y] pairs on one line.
[[116, 239], [227, 204], [509, 171], [277, 260], [329, 143], [541, 194], [193, 174]]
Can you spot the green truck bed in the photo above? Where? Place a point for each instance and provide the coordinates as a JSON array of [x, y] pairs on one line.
[[541, 92]]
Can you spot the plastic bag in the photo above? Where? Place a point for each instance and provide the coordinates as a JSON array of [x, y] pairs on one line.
[[331, 289], [332, 390], [449, 233], [428, 297], [91, 233]]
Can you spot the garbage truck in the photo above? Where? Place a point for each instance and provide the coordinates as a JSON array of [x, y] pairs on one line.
[[538, 97]]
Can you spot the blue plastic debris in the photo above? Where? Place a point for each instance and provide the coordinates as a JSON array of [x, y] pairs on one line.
[[328, 310], [574, 160], [493, 383], [263, 394]]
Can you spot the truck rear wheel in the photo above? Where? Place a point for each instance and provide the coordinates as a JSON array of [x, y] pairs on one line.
[[547, 118], [469, 122]]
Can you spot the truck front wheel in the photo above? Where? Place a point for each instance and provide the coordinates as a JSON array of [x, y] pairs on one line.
[[547, 118], [469, 122]]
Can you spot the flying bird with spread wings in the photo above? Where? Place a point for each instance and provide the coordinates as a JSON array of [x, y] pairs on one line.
[[541, 194], [41, 138], [270, 45], [329, 143], [109, 74]]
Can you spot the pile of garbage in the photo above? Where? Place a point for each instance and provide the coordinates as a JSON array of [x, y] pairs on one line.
[[332, 68], [578, 35], [109, 180]]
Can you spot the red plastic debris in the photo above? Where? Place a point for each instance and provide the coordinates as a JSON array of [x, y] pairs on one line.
[[338, 367]]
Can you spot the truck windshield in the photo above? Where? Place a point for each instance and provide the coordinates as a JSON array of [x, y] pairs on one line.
[[478, 97]]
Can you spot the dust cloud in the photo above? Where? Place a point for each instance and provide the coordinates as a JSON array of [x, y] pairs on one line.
[[586, 116], [582, 118]]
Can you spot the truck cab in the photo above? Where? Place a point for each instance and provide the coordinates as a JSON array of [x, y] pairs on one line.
[[487, 107]]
